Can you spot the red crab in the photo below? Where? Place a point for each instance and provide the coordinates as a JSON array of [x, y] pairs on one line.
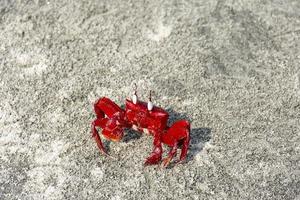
[[142, 117]]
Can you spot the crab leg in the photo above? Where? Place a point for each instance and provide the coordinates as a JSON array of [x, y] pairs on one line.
[[171, 154], [156, 154], [98, 122], [185, 146]]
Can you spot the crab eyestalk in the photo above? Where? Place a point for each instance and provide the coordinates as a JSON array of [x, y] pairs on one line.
[[150, 104], [134, 96]]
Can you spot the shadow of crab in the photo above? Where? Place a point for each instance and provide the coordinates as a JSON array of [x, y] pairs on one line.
[[199, 136], [131, 135]]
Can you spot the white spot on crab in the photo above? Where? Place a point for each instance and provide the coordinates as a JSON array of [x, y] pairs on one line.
[[134, 127], [145, 130]]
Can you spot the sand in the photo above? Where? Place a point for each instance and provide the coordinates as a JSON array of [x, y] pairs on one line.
[[230, 67]]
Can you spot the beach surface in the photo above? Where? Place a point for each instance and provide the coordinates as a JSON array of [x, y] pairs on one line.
[[232, 68]]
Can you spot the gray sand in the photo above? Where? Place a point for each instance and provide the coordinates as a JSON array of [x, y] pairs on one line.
[[230, 67]]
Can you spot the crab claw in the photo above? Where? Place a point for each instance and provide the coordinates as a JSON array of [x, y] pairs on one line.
[[113, 130], [114, 135]]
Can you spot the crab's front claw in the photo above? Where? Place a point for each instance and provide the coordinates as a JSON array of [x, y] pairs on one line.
[[114, 135]]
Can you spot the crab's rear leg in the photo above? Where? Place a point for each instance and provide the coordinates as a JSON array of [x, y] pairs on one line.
[[185, 146]]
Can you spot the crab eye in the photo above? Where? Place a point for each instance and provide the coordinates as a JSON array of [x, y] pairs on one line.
[[150, 105], [134, 98]]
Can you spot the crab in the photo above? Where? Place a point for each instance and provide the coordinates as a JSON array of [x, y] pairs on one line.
[[144, 118]]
